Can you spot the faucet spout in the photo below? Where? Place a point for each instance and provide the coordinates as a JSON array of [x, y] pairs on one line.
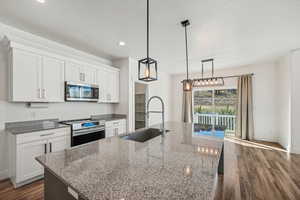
[[162, 111]]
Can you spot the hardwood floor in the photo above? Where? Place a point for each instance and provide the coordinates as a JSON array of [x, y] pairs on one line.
[[256, 171], [34, 191], [253, 171]]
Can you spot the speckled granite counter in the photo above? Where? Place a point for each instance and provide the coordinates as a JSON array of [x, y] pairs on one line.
[[33, 126], [180, 165]]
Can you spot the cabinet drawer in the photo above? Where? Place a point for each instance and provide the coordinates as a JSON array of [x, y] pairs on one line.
[[42, 135]]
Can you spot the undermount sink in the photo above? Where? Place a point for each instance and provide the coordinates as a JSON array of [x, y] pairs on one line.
[[144, 135]]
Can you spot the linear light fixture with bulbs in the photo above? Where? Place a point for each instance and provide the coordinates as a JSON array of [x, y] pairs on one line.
[[210, 81]]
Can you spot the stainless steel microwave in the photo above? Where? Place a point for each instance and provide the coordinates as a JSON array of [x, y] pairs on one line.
[[81, 92]]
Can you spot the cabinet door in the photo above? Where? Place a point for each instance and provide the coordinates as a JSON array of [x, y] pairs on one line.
[[59, 144], [115, 88], [73, 72], [109, 132], [26, 76], [53, 80], [102, 76], [89, 75], [27, 166], [122, 126]]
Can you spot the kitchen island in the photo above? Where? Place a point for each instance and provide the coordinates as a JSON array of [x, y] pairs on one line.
[[178, 165]]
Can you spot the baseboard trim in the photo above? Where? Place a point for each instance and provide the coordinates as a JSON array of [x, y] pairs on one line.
[[295, 150], [4, 174]]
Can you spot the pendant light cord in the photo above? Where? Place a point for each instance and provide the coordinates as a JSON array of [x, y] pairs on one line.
[[186, 55], [148, 30]]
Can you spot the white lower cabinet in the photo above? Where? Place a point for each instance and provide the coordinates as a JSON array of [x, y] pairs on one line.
[[24, 148], [115, 128], [28, 167]]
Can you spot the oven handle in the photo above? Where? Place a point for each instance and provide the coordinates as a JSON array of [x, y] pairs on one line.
[[85, 132]]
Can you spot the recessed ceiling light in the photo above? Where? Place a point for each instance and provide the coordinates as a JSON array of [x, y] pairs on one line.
[[121, 43], [41, 1]]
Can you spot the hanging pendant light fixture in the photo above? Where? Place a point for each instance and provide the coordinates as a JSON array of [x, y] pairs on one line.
[[211, 81], [187, 83], [147, 70]]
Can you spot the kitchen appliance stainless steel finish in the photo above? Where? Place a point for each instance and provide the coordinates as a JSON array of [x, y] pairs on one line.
[[81, 92], [86, 130]]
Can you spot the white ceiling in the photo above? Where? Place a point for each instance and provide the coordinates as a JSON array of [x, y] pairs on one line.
[[234, 32]]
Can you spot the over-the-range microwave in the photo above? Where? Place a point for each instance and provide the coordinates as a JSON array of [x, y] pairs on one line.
[[81, 92]]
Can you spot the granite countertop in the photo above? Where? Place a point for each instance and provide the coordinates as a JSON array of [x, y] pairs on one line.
[[179, 165], [33, 126], [109, 117]]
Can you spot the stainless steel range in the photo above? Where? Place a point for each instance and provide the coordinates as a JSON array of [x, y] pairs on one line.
[[86, 130]]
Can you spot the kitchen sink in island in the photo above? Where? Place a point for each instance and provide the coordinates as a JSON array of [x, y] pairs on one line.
[[176, 165]]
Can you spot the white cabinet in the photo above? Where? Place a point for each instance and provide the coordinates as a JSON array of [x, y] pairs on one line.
[[28, 166], [53, 79], [25, 76], [80, 73], [115, 128], [109, 81], [59, 143], [35, 78], [24, 148]]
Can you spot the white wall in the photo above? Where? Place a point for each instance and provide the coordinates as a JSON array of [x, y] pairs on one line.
[[284, 102], [295, 101], [19, 112], [264, 96]]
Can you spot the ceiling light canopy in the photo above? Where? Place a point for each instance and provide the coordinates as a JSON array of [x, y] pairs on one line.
[[41, 1], [122, 43], [147, 69]]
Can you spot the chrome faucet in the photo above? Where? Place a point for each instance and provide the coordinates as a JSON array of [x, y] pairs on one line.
[[162, 111]]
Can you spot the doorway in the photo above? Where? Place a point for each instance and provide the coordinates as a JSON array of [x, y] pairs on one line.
[[141, 91], [216, 107]]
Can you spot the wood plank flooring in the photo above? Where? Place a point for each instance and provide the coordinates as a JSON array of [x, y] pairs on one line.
[[34, 191], [253, 171]]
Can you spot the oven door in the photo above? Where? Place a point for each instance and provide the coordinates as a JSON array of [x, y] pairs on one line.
[[81, 92], [87, 135]]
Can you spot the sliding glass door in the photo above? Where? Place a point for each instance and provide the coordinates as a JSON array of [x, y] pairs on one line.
[[216, 109]]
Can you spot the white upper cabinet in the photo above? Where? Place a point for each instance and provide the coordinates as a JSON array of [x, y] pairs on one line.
[[35, 78], [108, 85], [53, 79], [39, 76], [72, 72], [80, 73], [25, 76]]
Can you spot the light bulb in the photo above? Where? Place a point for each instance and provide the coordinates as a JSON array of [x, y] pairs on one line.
[[147, 72], [187, 86]]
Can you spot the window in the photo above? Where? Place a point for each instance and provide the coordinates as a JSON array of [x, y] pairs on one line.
[[216, 108]]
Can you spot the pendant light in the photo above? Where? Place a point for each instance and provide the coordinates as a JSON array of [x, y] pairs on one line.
[[147, 69], [211, 81], [187, 83]]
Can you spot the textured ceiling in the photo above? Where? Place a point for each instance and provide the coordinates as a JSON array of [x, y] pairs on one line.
[[234, 32]]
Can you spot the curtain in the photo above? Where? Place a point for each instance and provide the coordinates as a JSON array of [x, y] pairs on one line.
[[187, 108], [245, 127]]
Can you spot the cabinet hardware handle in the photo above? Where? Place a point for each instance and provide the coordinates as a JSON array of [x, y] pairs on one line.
[[43, 135], [50, 147], [45, 148]]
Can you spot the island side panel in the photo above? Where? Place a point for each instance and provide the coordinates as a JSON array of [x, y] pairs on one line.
[[54, 189]]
